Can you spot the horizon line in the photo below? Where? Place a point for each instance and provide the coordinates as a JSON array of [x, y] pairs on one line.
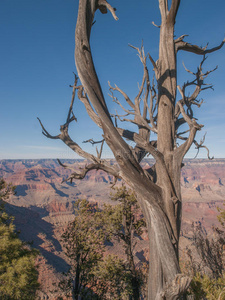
[[108, 158]]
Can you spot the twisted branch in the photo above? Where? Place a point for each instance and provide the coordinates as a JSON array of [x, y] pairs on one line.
[[93, 166], [98, 163], [180, 44]]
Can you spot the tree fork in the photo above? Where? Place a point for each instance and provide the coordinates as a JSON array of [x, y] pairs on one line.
[[158, 189], [150, 195]]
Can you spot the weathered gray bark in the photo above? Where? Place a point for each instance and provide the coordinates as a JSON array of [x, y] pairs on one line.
[[158, 188], [163, 252], [157, 201]]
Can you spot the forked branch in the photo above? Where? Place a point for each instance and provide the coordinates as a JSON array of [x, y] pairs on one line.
[[188, 100], [180, 152], [200, 145], [146, 94], [98, 163], [89, 167]]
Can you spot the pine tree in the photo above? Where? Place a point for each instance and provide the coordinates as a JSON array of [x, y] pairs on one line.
[[124, 221], [83, 240], [93, 275]]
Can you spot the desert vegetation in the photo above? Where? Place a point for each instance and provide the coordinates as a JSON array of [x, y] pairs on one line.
[[103, 275], [97, 275], [94, 274], [205, 261], [18, 272]]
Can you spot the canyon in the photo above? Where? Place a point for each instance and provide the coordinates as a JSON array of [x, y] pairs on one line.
[[43, 205]]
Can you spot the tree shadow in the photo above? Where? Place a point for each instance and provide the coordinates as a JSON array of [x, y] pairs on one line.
[[21, 190], [58, 192], [140, 256]]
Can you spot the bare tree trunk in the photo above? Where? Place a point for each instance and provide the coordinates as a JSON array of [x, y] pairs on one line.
[[161, 202], [157, 201], [164, 268], [158, 188]]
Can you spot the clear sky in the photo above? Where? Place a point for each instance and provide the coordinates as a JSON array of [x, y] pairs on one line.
[[37, 65]]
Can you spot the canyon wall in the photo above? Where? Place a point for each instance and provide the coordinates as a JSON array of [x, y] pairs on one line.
[[43, 205]]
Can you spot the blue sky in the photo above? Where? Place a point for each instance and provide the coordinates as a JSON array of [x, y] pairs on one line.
[[37, 65]]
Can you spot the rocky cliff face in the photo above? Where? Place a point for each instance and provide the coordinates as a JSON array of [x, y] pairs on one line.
[[43, 205], [203, 180]]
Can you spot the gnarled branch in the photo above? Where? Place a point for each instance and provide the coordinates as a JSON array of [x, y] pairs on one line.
[[200, 145], [92, 166], [182, 45]]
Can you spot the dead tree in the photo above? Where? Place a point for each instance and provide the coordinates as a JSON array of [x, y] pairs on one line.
[[156, 109]]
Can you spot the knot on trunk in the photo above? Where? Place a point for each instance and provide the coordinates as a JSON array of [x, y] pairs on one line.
[[176, 289]]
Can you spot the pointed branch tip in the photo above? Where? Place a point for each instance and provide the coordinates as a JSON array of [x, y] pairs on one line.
[[153, 23]]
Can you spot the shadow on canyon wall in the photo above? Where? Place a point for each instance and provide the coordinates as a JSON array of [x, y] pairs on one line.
[[31, 227]]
